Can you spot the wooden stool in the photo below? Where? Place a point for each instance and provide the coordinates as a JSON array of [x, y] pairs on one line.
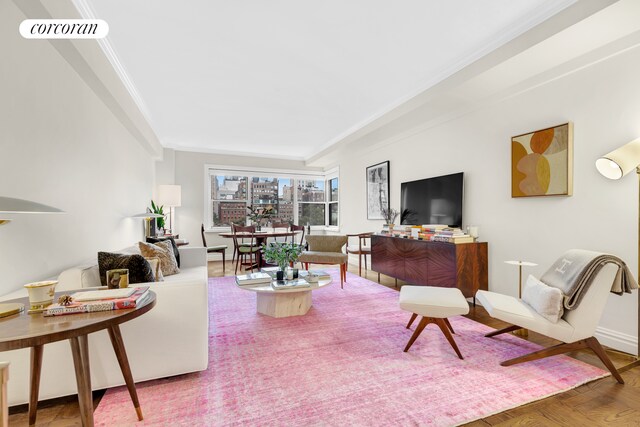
[[434, 305]]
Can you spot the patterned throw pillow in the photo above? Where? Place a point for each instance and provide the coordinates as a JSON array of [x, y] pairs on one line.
[[176, 252], [155, 267], [139, 268], [164, 251]]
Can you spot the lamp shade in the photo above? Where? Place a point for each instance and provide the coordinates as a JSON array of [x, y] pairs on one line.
[[11, 205], [170, 195], [621, 161]]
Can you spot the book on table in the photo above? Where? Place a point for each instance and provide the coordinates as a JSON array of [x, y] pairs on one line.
[[137, 298], [253, 278], [103, 294], [322, 275], [290, 284]]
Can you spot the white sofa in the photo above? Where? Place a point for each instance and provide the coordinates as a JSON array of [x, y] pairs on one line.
[[171, 339]]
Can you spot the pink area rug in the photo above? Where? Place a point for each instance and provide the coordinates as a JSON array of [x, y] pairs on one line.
[[342, 364]]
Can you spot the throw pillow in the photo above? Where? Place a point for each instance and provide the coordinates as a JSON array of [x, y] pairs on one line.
[[544, 299], [155, 266], [139, 268], [176, 252], [164, 251]]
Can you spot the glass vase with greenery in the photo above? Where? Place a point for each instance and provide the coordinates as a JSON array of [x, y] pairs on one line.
[[389, 215], [258, 213], [281, 253]]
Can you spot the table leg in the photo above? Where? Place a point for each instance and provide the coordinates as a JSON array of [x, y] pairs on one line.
[[80, 351], [121, 354], [36, 367]]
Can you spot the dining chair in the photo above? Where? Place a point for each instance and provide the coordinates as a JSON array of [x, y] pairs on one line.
[[242, 247], [295, 228], [240, 228], [362, 249], [214, 249], [280, 226]]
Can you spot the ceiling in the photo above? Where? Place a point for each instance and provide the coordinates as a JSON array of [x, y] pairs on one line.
[[289, 78]]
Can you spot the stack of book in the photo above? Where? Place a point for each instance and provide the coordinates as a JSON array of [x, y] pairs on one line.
[[256, 278], [101, 300], [451, 235], [290, 284]]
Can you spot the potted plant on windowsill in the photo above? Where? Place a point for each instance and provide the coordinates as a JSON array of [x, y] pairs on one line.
[[283, 254], [389, 215]]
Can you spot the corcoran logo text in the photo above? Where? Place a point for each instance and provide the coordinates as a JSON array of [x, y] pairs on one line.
[[64, 28]]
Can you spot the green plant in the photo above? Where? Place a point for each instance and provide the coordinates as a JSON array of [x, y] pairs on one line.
[[257, 214], [281, 253], [158, 210], [389, 214]]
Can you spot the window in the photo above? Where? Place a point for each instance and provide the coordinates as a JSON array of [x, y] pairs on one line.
[[332, 184], [297, 198], [311, 202], [228, 200]]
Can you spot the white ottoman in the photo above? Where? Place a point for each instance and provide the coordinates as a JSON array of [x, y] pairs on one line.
[[434, 305]]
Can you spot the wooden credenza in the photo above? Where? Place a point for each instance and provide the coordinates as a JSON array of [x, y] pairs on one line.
[[419, 262]]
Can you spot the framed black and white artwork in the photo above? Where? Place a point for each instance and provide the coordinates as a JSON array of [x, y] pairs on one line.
[[377, 190]]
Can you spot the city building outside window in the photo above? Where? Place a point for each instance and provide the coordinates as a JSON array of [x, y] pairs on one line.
[[295, 198]]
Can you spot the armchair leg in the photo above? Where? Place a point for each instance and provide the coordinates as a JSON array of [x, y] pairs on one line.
[[503, 331], [594, 345], [591, 343]]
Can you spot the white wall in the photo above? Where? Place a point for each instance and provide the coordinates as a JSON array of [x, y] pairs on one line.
[[60, 145], [603, 101]]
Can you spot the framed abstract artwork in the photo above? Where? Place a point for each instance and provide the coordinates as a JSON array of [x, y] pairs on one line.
[[542, 162], [377, 190]]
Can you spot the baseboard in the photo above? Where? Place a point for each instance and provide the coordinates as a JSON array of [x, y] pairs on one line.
[[617, 340]]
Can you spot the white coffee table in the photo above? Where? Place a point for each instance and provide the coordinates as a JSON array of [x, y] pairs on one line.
[[286, 302]]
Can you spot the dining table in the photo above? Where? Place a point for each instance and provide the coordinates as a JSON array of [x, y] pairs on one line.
[[260, 238]]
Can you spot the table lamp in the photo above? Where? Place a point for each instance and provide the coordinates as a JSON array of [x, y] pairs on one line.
[[170, 196], [9, 205], [615, 165]]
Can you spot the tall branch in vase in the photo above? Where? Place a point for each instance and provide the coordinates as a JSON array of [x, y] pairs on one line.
[[258, 213]]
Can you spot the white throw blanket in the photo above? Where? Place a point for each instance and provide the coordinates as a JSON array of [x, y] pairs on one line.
[[574, 271]]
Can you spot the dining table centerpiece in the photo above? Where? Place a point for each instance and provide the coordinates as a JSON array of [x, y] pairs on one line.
[[259, 213]]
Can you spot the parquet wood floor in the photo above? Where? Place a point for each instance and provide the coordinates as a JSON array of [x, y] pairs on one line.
[[599, 403]]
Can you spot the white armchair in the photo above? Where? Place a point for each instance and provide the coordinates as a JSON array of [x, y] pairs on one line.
[[575, 329]]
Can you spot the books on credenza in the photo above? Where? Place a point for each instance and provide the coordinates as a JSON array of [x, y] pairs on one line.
[[137, 298], [253, 278]]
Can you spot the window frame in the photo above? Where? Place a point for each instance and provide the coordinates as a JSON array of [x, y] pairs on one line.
[[256, 172]]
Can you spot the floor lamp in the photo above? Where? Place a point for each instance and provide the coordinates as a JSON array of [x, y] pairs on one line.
[[9, 205], [615, 165]]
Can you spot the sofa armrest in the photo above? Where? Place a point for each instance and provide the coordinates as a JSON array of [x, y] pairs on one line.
[[192, 257]]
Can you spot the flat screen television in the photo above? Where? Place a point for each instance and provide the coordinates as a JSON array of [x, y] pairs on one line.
[[435, 200]]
